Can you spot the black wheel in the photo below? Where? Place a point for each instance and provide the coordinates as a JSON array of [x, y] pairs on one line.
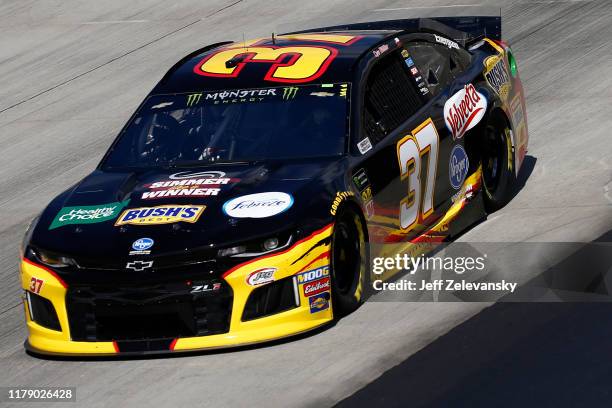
[[349, 263], [497, 165]]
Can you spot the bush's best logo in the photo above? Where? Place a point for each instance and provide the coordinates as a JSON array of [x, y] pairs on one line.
[[261, 276], [312, 275], [87, 214], [258, 205], [186, 184], [458, 166], [464, 110], [497, 76], [163, 214], [316, 287]]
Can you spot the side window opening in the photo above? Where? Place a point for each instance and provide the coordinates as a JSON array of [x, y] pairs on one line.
[[390, 97], [440, 64]]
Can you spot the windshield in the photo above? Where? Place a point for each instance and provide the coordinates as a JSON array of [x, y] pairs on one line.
[[234, 126]]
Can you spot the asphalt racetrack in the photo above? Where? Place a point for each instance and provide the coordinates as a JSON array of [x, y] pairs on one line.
[[71, 74]]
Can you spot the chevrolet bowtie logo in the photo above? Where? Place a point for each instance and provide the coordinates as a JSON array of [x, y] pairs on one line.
[[139, 265]]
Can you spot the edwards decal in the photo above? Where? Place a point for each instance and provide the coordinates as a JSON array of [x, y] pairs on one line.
[[464, 110]]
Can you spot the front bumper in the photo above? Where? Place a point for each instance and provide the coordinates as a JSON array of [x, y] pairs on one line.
[[307, 254]]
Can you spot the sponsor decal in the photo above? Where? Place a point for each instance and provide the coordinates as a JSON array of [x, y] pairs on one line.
[[364, 146], [380, 50], [414, 71], [197, 287], [497, 76], [139, 266], [163, 214], [260, 205], [319, 302], [447, 42], [343, 90], [261, 276], [322, 94], [87, 214], [142, 246], [231, 96], [361, 179], [187, 184], [290, 92], [199, 174], [312, 275], [464, 110], [409, 62], [366, 195], [369, 206], [36, 285], [405, 53], [316, 287], [517, 111], [340, 197], [162, 105], [458, 166]]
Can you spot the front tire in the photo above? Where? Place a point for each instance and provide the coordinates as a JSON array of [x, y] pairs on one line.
[[497, 165], [349, 263]]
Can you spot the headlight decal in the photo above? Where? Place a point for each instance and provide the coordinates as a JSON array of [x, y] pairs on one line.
[[274, 254]]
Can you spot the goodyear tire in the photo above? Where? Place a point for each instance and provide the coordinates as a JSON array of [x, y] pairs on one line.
[[497, 165], [349, 263]]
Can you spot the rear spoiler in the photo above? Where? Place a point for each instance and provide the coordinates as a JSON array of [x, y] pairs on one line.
[[464, 30]]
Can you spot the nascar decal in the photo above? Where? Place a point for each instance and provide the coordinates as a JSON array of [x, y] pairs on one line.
[[186, 184], [497, 76], [163, 214], [87, 214], [458, 166], [313, 275], [261, 276], [464, 110], [260, 205], [316, 287], [319, 302]]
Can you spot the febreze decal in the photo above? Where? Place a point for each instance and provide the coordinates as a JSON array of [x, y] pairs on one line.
[[163, 214], [464, 110], [258, 205]]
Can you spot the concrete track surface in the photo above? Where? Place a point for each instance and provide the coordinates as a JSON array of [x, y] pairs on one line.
[[71, 73]]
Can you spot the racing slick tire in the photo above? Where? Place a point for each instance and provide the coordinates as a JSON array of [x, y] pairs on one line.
[[349, 262], [498, 177]]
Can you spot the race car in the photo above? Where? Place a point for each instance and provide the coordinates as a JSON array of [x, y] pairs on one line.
[[239, 204]]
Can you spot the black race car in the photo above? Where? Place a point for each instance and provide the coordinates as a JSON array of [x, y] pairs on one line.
[[236, 204]]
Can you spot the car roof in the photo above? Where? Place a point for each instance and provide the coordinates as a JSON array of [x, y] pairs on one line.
[[346, 47]]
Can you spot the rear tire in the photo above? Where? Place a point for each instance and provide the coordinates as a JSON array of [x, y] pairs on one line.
[[349, 262], [498, 178]]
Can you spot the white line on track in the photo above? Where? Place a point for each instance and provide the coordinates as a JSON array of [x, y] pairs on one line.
[[116, 22]]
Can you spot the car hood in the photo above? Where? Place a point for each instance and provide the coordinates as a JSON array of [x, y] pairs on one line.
[[105, 196]]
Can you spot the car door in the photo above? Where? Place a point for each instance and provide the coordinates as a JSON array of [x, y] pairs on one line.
[[402, 119]]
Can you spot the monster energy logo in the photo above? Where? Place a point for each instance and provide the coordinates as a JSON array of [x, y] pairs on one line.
[[290, 92], [193, 99]]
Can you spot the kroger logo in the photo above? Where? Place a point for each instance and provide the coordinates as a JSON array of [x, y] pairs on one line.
[[142, 244], [458, 166], [258, 205]]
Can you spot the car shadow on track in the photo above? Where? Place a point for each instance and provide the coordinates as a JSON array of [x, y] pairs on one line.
[[525, 172], [516, 354]]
